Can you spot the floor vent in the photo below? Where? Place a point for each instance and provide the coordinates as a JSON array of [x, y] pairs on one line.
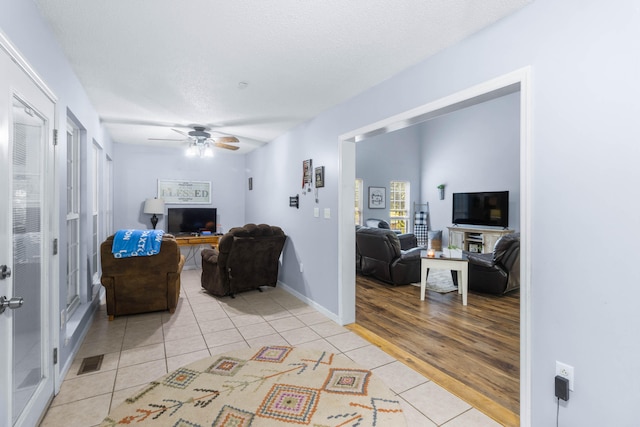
[[90, 364]]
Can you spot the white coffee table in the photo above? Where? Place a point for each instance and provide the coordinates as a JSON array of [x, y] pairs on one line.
[[460, 265]]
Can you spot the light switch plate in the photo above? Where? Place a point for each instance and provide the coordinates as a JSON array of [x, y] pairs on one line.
[[316, 212], [327, 213]]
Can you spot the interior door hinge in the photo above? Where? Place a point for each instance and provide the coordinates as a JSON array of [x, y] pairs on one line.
[[55, 356], [55, 246], [55, 137]]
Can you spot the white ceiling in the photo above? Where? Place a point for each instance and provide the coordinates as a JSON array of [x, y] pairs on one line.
[[152, 65]]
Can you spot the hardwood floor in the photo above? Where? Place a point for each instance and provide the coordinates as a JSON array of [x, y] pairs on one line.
[[476, 347]]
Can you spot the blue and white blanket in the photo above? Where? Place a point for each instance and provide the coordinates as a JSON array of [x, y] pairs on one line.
[[129, 243]]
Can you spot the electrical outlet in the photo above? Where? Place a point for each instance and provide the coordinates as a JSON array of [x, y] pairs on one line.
[[301, 268], [565, 371]]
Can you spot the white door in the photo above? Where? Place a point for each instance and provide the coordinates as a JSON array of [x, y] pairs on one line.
[[26, 213]]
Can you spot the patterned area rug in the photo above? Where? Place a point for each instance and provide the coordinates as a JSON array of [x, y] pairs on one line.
[[271, 386], [439, 281]]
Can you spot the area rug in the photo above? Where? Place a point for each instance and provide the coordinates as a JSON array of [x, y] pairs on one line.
[[439, 281], [270, 386]]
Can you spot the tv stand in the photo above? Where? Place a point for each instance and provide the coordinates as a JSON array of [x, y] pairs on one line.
[[476, 239]]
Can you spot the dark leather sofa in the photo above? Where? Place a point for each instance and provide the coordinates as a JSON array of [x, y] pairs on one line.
[[388, 256], [246, 258], [141, 284], [497, 272]]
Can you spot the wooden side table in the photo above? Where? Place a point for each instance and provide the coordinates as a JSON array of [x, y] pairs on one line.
[[457, 264]]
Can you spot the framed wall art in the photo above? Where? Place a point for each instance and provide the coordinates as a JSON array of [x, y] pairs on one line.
[[377, 197], [184, 192], [307, 178], [319, 176]]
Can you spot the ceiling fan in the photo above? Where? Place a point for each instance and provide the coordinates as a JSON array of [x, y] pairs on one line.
[[201, 142]]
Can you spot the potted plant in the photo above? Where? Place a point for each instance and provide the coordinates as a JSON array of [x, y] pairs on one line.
[[441, 190], [452, 251]]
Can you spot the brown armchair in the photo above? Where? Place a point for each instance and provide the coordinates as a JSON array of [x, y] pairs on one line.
[[144, 283], [246, 258]]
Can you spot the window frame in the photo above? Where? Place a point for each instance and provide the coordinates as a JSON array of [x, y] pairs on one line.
[[400, 222], [359, 200]]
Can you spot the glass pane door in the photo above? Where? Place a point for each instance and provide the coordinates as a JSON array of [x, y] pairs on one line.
[[29, 131]]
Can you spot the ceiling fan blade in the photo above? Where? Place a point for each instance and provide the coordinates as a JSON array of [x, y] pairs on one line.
[[180, 132], [226, 146], [164, 139], [227, 139]]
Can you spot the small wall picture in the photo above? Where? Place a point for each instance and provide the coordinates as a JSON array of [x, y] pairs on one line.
[[377, 197], [306, 173], [319, 176], [250, 183]]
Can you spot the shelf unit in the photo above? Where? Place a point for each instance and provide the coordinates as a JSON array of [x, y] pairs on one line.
[[473, 239]]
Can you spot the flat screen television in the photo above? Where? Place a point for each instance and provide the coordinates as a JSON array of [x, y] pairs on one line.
[[490, 208], [191, 220]]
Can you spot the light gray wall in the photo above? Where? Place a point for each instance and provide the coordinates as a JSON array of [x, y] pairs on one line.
[[473, 149], [389, 157], [584, 156], [137, 170]]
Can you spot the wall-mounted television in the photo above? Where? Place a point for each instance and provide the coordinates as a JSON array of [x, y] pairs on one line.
[[191, 220], [490, 208]]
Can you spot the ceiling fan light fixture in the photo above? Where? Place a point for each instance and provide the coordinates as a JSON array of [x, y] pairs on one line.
[[206, 151], [192, 150]]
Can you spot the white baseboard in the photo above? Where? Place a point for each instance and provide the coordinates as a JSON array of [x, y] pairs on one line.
[[310, 302]]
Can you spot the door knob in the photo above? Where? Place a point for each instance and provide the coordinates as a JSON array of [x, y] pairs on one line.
[[4, 272], [12, 303]]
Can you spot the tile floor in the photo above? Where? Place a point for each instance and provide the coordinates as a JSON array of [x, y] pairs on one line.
[[139, 349]]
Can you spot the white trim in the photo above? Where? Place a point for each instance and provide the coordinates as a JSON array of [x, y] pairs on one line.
[[25, 86], [526, 171], [346, 233], [21, 62], [500, 86], [309, 302]]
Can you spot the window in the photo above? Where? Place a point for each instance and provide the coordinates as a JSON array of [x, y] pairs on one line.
[[399, 205], [358, 200], [96, 209], [73, 217]]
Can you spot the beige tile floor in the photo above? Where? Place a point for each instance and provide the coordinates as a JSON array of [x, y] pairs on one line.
[[141, 348]]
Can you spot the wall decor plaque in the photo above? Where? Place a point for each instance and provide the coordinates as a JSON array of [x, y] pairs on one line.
[[184, 192]]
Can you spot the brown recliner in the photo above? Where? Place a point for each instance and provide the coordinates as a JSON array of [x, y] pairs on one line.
[[246, 258], [388, 256], [142, 284]]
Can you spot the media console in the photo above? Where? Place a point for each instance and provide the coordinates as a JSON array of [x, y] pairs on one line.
[[211, 239], [472, 239], [194, 244]]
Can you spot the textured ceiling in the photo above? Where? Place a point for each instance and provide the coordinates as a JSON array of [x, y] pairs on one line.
[[153, 65]]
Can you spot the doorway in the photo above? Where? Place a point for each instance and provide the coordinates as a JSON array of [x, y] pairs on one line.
[[518, 80], [27, 118]]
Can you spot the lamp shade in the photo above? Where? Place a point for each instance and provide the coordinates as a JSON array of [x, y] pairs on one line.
[[154, 206]]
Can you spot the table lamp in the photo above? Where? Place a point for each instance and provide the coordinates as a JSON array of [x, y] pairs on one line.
[[154, 206]]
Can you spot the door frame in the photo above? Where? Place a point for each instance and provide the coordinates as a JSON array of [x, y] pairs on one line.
[[518, 80], [50, 221]]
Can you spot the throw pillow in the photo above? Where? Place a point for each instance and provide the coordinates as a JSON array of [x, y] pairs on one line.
[[434, 240]]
